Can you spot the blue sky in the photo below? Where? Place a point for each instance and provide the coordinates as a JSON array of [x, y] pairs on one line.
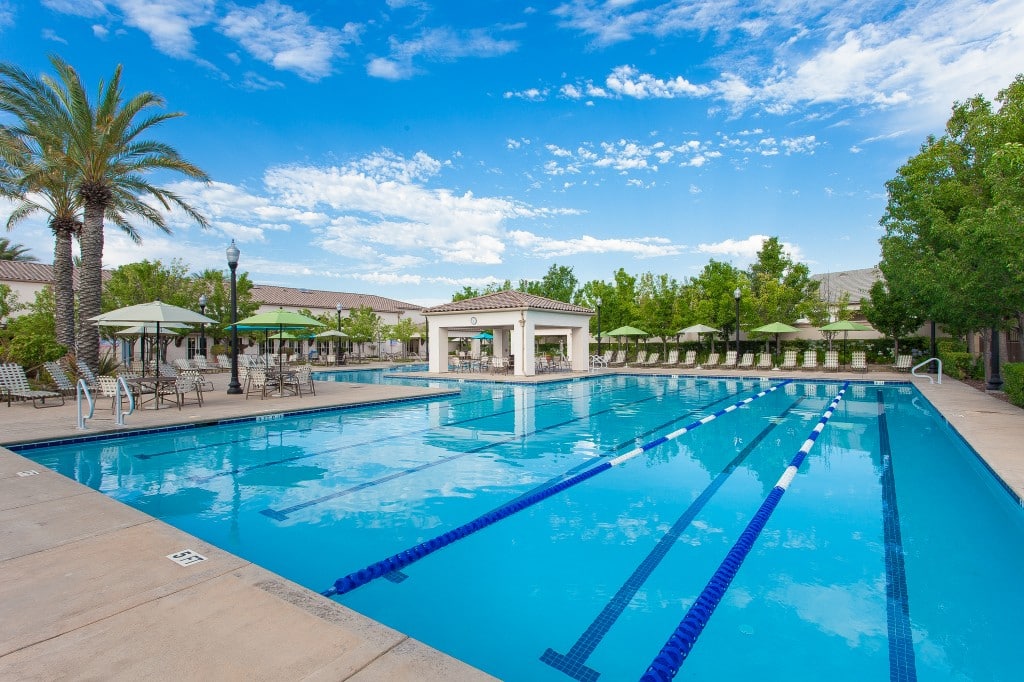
[[409, 148]]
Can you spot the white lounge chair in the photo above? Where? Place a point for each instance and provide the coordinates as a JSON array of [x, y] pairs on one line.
[[831, 361], [788, 360], [652, 360], [902, 363], [15, 384], [673, 358], [746, 362], [764, 361], [730, 359], [713, 361], [690, 359], [859, 361], [810, 360]]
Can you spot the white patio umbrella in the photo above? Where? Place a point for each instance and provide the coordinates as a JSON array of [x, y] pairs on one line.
[[157, 312], [699, 329], [145, 329]]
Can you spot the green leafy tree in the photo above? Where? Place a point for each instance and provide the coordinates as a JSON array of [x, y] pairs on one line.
[[559, 283], [216, 284], [106, 156], [30, 339], [714, 303], [658, 307], [782, 289], [403, 331], [953, 222], [8, 302], [892, 314], [362, 325], [471, 292]]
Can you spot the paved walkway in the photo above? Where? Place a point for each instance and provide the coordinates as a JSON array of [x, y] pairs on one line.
[[87, 590]]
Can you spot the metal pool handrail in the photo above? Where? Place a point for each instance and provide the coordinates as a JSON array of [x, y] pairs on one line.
[[913, 371]]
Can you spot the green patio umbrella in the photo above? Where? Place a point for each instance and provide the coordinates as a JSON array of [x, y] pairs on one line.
[[280, 320], [157, 312], [699, 329], [775, 328], [844, 326], [627, 331]]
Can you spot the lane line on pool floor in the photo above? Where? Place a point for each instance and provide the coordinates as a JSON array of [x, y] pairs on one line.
[[282, 514], [574, 662], [902, 665], [679, 645], [398, 561]]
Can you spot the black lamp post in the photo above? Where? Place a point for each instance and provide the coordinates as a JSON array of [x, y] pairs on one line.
[[598, 326], [736, 295], [995, 382], [202, 326], [234, 388], [339, 309]]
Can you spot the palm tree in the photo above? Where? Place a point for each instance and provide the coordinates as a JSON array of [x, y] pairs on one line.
[[9, 251], [102, 151]]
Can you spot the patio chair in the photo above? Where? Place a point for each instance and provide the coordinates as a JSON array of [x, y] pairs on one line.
[[305, 374], [712, 361], [810, 360], [902, 363], [608, 356], [673, 358], [764, 361], [859, 361], [15, 384], [85, 373], [204, 384], [690, 359], [185, 385], [788, 360], [224, 361], [730, 359], [182, 364], [620, 358], [652, 360], [60, 379], [107, 388], [746, 362], [831, 361], [641, 357], [256, 380]]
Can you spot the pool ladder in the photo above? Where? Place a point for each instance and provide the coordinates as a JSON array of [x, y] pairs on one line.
[[82, 391], [913, 371]]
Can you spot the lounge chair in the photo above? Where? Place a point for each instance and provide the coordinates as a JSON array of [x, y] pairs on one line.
[[810, 360], [690, 360], [831, 361], [608, 357], [182, 364], [902, 363], [652, 360], [788, 360], [203, 365], [730, 359], [15, 385], [673, 358], [620, 358], [60, 379], [859, 361], [764, 361], [85, 373], [712, 361], [641, 357], [746, 362]]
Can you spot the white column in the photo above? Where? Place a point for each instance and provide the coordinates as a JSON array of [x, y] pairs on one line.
[[437, 350], [579, 348]]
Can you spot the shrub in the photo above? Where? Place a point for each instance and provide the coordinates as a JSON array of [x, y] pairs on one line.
[[961, 365], [1013, 382]]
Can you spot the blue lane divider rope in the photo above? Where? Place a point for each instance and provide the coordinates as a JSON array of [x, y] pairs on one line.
[[667, 663], [399, 561]]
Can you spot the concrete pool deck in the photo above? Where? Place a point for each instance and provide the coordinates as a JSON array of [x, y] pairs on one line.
[[87, 590]]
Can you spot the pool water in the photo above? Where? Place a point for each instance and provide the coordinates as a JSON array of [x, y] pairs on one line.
[[894, 554]]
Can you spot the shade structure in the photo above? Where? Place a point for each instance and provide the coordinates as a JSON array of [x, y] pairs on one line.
[[627, 331], [699, 329], [156, 312], [280, 320], [845, 326], [775, 328], [335, 333]]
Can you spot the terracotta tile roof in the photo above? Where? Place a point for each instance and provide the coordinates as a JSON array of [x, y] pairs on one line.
[[505, 300], [33, 273], [316, 299]]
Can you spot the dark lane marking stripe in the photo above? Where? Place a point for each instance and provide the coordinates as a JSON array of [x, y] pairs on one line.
[[573, 663], [902, 664]]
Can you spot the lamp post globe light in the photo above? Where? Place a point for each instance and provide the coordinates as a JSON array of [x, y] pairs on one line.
[[234, 388], [202, 325], [736, 295], [598, 301]]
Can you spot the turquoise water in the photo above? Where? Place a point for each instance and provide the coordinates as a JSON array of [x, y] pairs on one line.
[[889, 502]]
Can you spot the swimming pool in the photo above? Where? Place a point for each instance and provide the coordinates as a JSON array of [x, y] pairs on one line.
[[893, 555]]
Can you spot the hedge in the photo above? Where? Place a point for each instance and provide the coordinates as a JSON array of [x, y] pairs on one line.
[[1013, 382]]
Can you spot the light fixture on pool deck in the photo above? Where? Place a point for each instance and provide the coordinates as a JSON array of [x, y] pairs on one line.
[[598, 301], [736, 295], [234, 388]]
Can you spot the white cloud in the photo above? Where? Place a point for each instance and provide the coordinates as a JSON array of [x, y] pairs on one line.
[[640, 247], [6, 15], [51, 35], [284, 38], [168, 24], [78, 8], [628, 81], [746, 249], [436, 45], [100, 31]]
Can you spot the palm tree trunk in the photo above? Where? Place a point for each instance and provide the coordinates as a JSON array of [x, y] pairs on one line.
[[90, 284], [63, 287]]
